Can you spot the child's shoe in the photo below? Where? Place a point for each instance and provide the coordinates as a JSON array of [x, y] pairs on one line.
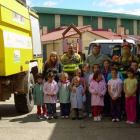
[[127, 122], [101, 116], [95, 119], [50, 117], [66, 117], [80, 118], [85, 114], [45, 116], [132, 123], [117, 120], [55, 116], [73, 118], [98, 118], [90, 115], [38, 117], [113, 120], [62, 117]]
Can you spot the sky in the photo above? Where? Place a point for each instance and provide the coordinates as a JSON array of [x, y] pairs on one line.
[[117, 6]]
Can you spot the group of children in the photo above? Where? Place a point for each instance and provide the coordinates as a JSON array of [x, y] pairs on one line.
[[90, 92]]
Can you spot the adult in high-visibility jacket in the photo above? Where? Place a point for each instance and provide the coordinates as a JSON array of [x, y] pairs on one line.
[[127, 58], [71, 61]]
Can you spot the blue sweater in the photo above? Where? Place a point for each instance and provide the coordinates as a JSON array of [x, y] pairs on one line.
[[109, 77], [86, 76]]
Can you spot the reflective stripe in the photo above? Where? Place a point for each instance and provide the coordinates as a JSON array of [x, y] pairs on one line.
[[123, 72], [72, 69], [80, 63], [71, 65]]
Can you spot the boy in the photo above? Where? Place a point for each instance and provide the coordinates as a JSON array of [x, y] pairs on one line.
[[38, 96]]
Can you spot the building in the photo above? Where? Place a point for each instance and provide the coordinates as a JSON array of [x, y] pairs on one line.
[[55, 17], [53, 40]]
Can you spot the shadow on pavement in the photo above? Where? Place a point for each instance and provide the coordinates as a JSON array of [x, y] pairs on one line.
[[33, 118], [8, 110]]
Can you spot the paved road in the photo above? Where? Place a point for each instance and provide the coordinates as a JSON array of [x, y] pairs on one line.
[[14, 126]]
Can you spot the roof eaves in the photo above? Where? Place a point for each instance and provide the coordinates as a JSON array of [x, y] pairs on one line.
[[84, 13], [98, 34]]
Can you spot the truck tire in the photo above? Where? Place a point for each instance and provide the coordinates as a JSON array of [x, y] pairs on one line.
[[24, 103]]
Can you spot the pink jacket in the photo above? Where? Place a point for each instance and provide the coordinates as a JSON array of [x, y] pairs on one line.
[[50, 88], [100, 88], [91, 78]]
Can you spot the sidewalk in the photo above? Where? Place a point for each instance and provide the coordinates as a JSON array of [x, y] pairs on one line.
[[14, 126]]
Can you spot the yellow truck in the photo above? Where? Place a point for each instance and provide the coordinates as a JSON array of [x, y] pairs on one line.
[[20, 53]]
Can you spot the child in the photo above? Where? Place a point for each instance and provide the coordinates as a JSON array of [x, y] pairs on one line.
[[130, 88], [97, 89], [38, 96], [115, 89], [115, 64], [105, 71], [134, 65], [95, 68], [88, 107], [64, 95], [80, 74], [77, 99], [50, 90]]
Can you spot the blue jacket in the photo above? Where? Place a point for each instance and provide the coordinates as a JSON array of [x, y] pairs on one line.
[[76, 98]]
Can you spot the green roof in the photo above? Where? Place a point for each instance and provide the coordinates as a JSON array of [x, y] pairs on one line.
[[60, 11]]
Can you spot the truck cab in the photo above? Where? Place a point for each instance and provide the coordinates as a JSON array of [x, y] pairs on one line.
[[112, 47]]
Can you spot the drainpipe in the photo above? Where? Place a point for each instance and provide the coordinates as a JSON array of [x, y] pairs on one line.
[[53, 45]]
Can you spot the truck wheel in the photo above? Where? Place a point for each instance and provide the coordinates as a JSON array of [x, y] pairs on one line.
[[24, 103]]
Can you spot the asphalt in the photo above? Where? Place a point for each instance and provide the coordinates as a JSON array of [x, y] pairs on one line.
[[15, 126]]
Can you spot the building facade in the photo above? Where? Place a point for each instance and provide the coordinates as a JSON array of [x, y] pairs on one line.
[[56, 17]]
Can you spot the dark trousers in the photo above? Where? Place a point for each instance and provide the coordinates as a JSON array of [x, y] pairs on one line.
[[88, 107], [115, 108], [51, 108], [137, 105], [64, 109], [107, 107]]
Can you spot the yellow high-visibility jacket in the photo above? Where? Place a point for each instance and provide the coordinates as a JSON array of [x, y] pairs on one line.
[[71, 64]]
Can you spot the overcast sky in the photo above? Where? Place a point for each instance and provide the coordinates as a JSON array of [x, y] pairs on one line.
[[118, 6]]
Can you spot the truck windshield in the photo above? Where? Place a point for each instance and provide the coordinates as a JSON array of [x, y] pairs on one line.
[[107, 48]]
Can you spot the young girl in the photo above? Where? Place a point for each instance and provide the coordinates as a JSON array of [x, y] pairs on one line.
[[130, 88], [119, 74], [105, 71], [95, 68], [50, 90], [38, 96], [77, 99], [64, 95], [97, 89], [115, 89], [80, 74], [52, 65], [88, 107]]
